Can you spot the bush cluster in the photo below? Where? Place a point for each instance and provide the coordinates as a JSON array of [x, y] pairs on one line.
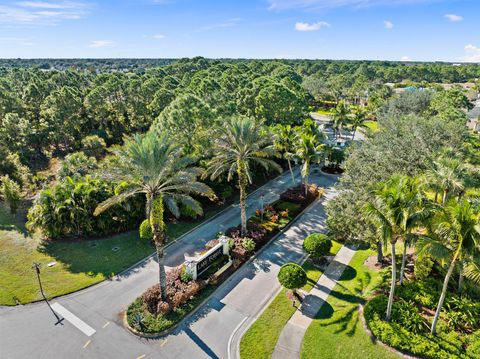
[[292, 276], [67, 209], [401, 334], [297, 194], [317, 245]]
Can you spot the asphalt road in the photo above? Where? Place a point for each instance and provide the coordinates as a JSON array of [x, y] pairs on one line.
[[30, 331]]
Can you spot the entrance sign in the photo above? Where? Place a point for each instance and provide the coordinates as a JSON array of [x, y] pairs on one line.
[[201, 264]]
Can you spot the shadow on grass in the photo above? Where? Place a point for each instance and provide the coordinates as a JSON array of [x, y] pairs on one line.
[[106, 257]]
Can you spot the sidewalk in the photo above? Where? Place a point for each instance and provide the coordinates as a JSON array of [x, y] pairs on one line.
[[289, 343]]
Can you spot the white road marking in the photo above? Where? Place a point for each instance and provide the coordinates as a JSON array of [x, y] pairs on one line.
[[106, 324], [72, 318], [86, 344]]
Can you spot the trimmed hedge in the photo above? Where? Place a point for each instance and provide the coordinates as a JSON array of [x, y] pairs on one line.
[[292, 276], [145, 230], [317, 245]]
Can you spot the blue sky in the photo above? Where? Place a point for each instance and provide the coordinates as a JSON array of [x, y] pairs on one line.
[[445, 30]]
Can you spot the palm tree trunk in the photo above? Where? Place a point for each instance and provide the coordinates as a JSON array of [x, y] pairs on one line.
[[444, 292], [158, 229], [392, 284], [307, 174], [291, 171], [436, 196], [404, 258], [354, 131], [379, 252], [162, 275], [445, 196], [460, 279], [242, 184]]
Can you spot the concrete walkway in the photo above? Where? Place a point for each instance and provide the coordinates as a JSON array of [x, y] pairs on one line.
[[289, 343]]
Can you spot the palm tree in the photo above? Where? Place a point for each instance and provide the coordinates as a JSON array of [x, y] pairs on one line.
[[358, 120], [240, 144], [309, 150], [340, 117], [397, 211], [446, 175], [454, 234], [284, 141], [154, 166]]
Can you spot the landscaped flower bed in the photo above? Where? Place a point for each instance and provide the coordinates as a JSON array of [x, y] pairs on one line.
[[150, 315], [458, 331]]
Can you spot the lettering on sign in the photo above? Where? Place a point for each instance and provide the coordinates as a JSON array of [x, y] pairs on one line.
[[203, 264]]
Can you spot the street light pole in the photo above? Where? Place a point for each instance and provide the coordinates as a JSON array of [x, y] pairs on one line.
[[36, 266]]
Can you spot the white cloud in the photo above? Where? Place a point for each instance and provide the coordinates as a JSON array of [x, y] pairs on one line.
[[41, 12], [472, 53], [305, 26], [405, 58], [388, 24], [227, 23], [159, 36], [102, 43], [453, 17], [322, 4]]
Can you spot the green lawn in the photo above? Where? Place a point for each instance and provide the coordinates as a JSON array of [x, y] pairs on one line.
[[337, 331], [79, 264], [260, 339]]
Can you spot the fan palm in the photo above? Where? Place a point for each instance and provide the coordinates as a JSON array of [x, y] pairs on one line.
[[454, 234], [397, 210], [154, 166], [284, 141], [241, 144]]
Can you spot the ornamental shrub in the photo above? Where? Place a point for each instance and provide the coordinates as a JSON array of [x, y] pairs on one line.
[[248, 244], [317, 245], [292, 276], [145, 230]]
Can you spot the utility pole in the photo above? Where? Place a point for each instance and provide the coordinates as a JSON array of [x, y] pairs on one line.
[[36, 266]]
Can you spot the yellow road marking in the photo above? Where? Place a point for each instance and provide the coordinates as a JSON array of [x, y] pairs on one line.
[[141, 356], [106, 324], [86, 344]]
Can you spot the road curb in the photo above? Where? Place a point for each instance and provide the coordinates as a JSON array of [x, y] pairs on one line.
[[230, 278]]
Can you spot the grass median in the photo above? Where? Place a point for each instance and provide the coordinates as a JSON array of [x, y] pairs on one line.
[[260, 339]]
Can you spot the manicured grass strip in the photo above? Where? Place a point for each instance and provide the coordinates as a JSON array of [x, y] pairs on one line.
[[337, 331], [79, 264], [260, 339]]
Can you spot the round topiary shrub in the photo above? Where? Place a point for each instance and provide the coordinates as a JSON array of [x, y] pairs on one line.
[[145, 230], [292, 276], [317, 245]]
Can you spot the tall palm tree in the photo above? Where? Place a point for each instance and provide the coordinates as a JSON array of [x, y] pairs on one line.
[[309, 150], [454, 233], [397, 210], [340, 117], [284, 142], [446, 175], [358, 120], [240, 144], [154, 166]]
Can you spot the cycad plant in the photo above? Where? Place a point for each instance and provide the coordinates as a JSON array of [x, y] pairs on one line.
[[152, 164], [240, 144], [454, 234]]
